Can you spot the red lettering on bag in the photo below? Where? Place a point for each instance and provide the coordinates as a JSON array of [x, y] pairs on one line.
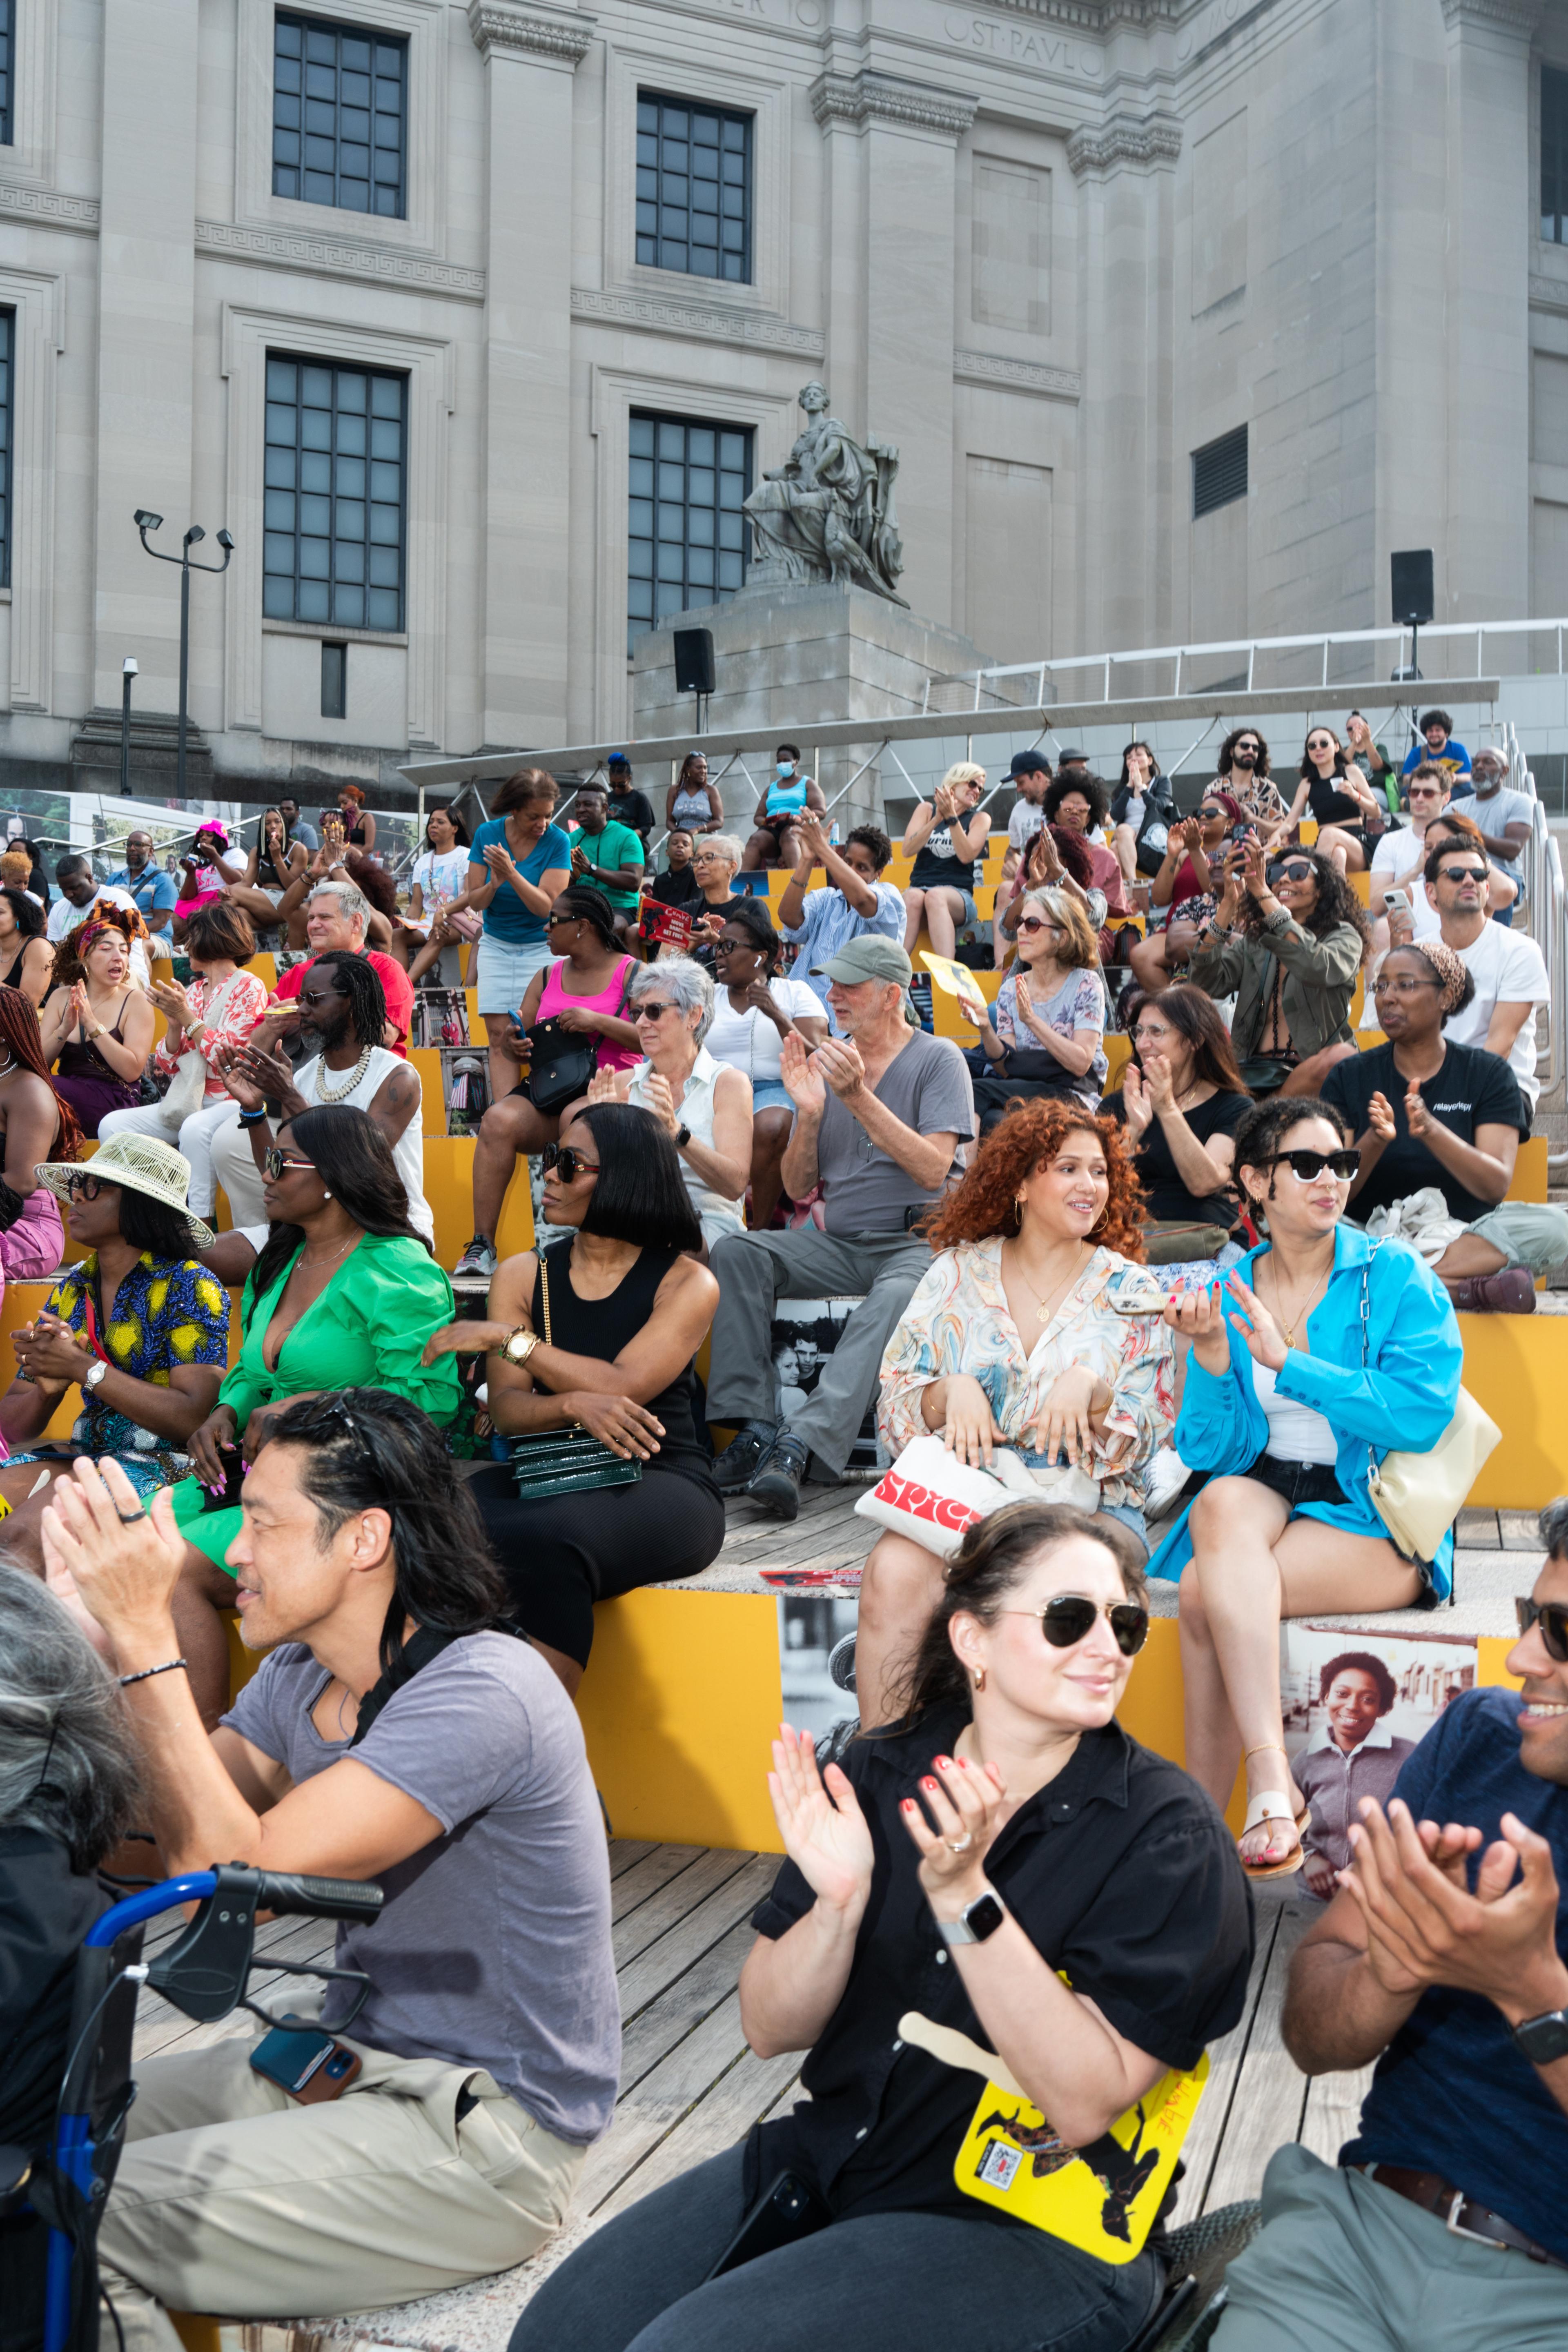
[[918, 1502]]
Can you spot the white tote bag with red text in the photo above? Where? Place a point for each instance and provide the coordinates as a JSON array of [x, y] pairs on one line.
[[933, 1498]]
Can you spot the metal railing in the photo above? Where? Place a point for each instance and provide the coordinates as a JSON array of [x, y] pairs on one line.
[[979, 682]]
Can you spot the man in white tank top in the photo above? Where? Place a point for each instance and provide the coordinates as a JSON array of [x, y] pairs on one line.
[[342, 1015]]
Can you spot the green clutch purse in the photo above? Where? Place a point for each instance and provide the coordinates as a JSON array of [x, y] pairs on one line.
[[565, 1461]]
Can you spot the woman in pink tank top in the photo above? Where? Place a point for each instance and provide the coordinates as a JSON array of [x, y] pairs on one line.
[[555, 998]]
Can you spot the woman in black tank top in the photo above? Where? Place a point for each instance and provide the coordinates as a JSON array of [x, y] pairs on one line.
[[1332, 789], [607, 1326]]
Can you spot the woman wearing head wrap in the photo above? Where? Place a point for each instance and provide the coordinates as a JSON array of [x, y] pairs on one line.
[[1438, 1125]]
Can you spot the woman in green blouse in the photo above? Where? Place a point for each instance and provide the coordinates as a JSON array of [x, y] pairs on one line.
[[343, 1295]]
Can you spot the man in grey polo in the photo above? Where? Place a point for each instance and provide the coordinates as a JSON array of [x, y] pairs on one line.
[[880, 1114]]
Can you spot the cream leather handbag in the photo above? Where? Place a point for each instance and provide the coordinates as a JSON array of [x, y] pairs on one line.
[[1419, 1495]]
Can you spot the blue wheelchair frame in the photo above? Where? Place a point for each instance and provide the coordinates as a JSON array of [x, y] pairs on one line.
[[205, 1973]]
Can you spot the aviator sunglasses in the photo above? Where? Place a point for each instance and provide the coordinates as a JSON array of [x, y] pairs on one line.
[[569, 1160], [1308, 1166], [275, 1160], [1552, 1616], [1070, 1617]]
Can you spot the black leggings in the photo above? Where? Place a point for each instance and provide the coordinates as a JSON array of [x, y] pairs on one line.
[[562, 1555]]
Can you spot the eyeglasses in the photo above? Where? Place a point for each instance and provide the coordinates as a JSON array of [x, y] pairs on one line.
[[1297, 870], [651, 1010], [1069, 1618], [1383, 986], [1462, 874], [1308, 1166], [1208, 815], [1552, 1616], [275, 1160], [568, 1161], [317, 995], [82, 1188], [1034, 923]]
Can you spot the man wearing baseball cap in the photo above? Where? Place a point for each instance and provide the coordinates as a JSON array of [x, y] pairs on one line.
[[1030, 774], [880, 1112]]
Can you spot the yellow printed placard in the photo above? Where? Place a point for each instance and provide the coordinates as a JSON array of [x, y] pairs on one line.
[[956, 979], [1102, 2198]]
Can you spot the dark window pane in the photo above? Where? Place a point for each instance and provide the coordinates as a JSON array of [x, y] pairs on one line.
[[354, 85], [1219, 472], [1554, 155], [682, 150], [672, 561], [321, 537]]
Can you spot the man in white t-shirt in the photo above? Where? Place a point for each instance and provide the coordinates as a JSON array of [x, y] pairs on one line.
[[80, 894], [1030, 774], [1399, 855], [1507, 967]]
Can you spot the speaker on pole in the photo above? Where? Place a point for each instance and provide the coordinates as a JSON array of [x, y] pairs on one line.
[[694, 657], [1411, 571]]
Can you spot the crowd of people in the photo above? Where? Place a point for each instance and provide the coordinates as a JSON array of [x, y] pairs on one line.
[[1167, 1328]]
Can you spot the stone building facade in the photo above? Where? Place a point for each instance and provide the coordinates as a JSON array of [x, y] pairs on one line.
[[1091, 264]]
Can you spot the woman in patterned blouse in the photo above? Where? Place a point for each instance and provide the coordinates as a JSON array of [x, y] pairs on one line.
[[138, 1325], [1013, 1338]]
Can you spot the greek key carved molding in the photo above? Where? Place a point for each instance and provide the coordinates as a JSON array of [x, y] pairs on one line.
[[45, 205]]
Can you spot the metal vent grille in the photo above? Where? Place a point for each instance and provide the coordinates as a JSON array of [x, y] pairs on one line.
[[1219, 472]]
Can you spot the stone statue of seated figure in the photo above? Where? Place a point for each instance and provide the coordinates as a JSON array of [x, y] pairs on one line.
[[828, 513]]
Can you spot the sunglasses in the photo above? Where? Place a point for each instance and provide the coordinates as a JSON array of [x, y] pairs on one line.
[[317, 995], [1319, 743], [568, 1161], [1308, 1166], [275, 1160], [551, 921], [1249, 746], [1070, 1617], [1461, 874], [1297, 870], [652, 1010], [1208, 815], [1552, 1616], [1034, 923]]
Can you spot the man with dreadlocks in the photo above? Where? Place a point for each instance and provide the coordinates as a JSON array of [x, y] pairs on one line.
[[342, 1015], [36, 1124], [395, 1731]]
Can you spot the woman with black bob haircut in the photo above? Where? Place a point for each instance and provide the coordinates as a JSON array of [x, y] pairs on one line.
[[1001, 1891], [344, 1295], [598, 1333]]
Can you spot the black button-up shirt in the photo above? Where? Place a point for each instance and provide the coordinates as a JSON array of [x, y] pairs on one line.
[[1121, 1874]]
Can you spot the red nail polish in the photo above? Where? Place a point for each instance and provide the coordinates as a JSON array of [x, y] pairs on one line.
[[928, 1783], [945, 1763], [908, 1805]]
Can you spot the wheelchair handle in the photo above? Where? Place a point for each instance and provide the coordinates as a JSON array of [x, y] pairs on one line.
[[317, 1898]]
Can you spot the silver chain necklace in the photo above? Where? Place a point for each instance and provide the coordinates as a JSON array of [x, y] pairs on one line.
[[326, 1094]]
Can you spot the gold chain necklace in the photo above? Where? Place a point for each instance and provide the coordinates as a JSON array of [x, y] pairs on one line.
[[303, 1260], [325, 1094], [1046, 1304], [1290, 1328]]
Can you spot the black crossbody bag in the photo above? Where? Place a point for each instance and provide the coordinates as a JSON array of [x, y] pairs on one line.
[[565, 1461]]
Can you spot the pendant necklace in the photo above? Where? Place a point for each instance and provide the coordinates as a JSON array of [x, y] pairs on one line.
[[1048, 1304]]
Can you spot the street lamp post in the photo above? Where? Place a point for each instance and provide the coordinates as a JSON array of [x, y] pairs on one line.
[[144, 523], [129, 672]]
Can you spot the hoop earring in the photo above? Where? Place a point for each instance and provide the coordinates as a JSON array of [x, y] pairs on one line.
[[1017, 1212], [979, 1677]]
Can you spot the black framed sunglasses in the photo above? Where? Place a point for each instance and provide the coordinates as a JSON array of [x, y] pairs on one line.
[[275, 1160], [653, 1008], [1208, 816], [1308, 1166], [1297, 869], [1069, 1618], [570, 1162], [1462, 874], [1552, 1616], [551, 921]]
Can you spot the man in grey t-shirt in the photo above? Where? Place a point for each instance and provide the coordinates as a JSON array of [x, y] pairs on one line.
[[1504, 816], [881, 1113], [489, 2038]]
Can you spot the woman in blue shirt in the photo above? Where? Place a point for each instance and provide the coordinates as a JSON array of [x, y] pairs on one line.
[[786, 800], [518, 865], [1319, 1353]]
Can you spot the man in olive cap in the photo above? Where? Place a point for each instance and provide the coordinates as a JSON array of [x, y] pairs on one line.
[[880, 1112]]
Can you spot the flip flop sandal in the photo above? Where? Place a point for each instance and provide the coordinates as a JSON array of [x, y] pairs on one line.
[[1269, 1805]]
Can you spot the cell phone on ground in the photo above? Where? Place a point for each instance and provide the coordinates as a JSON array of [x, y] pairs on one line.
[[307, 2062], [788, 2210]]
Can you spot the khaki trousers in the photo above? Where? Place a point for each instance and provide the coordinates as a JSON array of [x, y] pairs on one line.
[[231, 2197]]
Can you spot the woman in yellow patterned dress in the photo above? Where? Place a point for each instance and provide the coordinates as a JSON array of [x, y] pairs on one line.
[[139, 1325]]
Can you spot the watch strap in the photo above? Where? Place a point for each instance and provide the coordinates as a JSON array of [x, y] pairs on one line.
[[974, 1922], [682, 1138]]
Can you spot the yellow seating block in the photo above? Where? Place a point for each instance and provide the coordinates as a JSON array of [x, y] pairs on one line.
[[198, 2331], [1529, 1172], [263, 964], [1361, 885], [514, 1227], [1515, 1368], [1118, 1053], [449, 1189], [476, 1026]]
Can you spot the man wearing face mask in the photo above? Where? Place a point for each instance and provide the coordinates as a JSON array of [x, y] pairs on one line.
[[787, 799], [341, 1014]]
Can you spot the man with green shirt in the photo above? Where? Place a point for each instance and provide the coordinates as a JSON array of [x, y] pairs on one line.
[[605, 853]]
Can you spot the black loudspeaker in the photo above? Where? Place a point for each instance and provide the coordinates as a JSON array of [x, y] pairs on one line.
[[1411, 571], [694, 656]]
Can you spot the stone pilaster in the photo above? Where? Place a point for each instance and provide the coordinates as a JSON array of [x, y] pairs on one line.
[[530, 55], [908, 136], [146, 289]]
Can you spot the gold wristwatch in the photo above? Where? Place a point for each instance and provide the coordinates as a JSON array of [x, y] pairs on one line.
[[518, 1346]]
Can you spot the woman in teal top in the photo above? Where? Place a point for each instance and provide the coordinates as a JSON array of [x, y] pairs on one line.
[[343, 1295]]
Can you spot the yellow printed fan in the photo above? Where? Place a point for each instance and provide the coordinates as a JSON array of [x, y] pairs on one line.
[[956, 979]]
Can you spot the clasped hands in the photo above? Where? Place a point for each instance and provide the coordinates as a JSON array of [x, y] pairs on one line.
[[1065, 1423], [112, 1564], [48, 1348]]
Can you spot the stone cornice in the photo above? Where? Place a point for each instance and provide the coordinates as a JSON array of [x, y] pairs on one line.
[[507, 25], [1521, 17], [333, 256], [874, 96], [48, 208], [1018, 375], [715, 323], [1122, 141]]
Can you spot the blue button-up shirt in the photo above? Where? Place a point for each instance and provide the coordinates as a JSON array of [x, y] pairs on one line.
[[156, 893]]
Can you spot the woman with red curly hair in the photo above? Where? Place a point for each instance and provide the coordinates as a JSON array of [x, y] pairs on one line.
[[1013, 1340], [36, 1123]]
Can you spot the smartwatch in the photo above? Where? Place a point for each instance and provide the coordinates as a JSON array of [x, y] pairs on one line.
[[974, 1922], [1542, 2040], [682, 1138]]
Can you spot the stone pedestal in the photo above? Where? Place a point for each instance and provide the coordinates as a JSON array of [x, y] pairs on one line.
[[154, 755], [784, 658]]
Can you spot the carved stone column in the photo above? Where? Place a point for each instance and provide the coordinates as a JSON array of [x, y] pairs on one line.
[[908, 138], [531, 54]]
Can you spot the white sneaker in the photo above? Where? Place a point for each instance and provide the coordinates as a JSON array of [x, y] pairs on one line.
[[1163, 1481]]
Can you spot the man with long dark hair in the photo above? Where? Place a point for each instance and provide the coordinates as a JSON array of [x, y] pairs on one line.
[[395, 1731]]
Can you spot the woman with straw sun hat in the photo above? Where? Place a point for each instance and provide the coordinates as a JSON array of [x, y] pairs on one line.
[[138, 1325]]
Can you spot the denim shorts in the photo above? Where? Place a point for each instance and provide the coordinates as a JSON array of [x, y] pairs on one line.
[[970, 918], [505, 968], [769, 1094]]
